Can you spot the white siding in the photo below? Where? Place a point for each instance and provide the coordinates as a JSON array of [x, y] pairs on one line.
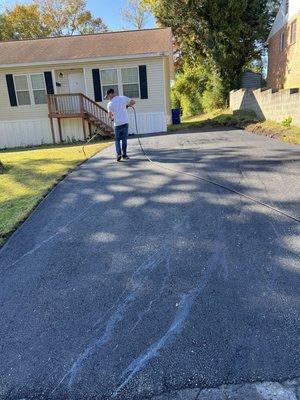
[[282, 18], [28, 125], [25, 133], [148, 122], [155, 77], [72, 129]]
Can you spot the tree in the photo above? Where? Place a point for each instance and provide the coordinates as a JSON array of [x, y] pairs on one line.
[[2, 27], [22, 22], [227, 35], [43, 18], [136, 13], [69, 17]]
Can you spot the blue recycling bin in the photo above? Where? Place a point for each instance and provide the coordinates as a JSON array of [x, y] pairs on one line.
[[176, 116]]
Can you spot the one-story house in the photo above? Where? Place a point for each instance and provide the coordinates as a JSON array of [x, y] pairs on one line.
[[52, 89]]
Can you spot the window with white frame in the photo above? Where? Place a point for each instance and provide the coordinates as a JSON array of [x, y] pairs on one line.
[[109, 80], [22, 90], [294, 32], [38, 88], [282, 42], [30, 89], [130, 82]]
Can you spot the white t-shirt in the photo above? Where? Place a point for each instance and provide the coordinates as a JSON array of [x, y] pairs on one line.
[[117, 106]]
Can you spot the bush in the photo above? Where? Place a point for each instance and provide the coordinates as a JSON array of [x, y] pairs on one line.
[[197, 90], [186, 92], [287, 122], [212, 97]]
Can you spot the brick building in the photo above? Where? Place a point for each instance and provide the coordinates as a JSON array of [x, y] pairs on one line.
[[284, 47]]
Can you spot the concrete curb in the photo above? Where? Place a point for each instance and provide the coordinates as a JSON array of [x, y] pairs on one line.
[[288, 390]]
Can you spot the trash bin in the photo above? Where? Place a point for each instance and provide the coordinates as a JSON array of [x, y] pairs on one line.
[[176, 116]]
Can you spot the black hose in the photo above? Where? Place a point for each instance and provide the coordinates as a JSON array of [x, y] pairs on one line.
[[161, 165]]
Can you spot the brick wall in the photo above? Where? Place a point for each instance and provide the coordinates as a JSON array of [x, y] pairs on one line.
[[268, 105], [284, 66]]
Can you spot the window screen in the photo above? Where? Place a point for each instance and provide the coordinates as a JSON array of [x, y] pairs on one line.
[[130, 82], [22, 90], [109, 80], [38, 88]]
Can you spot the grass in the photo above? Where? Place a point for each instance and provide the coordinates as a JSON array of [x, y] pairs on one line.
[[30, 173], [277, 131], [244, 120]]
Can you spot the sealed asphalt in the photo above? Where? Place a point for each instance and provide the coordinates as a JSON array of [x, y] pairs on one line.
[[130, 281]]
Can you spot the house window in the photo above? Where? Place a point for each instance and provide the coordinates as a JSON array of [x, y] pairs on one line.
[[30, 89], [38, 88], [287, 6], [22, 90], [294, 32], [109, 80], [282, 42], [130, 82]]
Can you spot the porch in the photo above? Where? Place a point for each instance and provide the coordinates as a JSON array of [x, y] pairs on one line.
[[78, 106]]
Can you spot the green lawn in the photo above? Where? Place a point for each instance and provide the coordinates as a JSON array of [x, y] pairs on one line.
[[30, 173], [243, 119]]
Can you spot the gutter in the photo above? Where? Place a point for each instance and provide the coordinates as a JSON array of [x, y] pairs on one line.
[[85, 60]]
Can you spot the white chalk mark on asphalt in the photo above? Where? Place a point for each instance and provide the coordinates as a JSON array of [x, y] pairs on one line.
[[156, 298], [60, 231], [115, 318], [185, 304]]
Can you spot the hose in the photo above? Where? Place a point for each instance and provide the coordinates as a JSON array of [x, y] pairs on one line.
[[200, 178], [87, 142]]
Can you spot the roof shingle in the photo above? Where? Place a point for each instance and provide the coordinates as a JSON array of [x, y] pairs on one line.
[[66, 48]]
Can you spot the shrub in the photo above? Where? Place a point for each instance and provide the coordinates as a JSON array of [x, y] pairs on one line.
[[197, 89], [186, 92], [212, 97], [287, 122]]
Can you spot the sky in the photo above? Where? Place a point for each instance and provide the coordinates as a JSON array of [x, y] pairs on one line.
[[108, 10]]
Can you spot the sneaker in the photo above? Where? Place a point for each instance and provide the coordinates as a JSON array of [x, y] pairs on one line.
[[119, 158], [125, 157]]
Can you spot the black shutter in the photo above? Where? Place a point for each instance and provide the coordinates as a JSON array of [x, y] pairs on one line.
[[49, 82], [143, 81], [97, 85], [11, 90]]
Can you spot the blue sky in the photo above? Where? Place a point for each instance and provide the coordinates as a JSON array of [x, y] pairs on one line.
[[109, 10]]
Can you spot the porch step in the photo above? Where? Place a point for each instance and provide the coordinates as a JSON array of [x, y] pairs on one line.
[[78, 105]]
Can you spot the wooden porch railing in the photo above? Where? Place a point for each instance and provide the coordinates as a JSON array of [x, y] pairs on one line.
[[77, 105]]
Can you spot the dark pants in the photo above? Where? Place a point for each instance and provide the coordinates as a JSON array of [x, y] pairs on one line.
[[121, 134]]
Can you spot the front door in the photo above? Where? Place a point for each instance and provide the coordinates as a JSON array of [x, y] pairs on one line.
[[76, 82]]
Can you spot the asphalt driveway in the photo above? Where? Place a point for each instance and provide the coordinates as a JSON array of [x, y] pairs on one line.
[[130, 281]]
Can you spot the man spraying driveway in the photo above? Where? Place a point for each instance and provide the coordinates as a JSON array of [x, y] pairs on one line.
[[117, 112]]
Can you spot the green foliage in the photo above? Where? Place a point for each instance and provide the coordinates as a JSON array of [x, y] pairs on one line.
[[43, 18], [213, 96], [21, 22], [227, 34], [287, 122], [188, 88], [69, 17], [197, 89]]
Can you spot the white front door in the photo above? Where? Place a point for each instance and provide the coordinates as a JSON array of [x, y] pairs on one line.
[[76, 82]]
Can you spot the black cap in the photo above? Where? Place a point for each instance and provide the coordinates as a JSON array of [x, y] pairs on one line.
[[108, 92]]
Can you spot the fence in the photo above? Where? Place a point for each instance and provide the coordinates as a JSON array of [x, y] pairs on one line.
[[267, 104]]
